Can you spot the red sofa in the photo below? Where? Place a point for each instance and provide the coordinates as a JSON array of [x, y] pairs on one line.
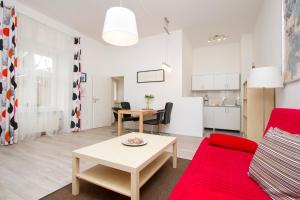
[[219, 169]]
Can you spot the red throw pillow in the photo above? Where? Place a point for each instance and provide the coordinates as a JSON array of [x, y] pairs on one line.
[[232, 142]]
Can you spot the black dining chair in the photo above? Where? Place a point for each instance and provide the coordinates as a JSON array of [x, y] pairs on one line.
[[128, 117], [162, 117], [124, 119]]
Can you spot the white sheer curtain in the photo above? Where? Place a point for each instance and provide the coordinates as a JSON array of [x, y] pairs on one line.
[[44, 79]]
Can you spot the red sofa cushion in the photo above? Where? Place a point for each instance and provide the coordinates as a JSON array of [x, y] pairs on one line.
[[232, 142], [218, 173]]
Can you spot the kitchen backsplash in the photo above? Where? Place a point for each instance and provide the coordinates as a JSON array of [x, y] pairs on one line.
[[215, 97]]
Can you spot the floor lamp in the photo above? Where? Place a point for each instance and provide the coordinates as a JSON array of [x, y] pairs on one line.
[[265, 78]]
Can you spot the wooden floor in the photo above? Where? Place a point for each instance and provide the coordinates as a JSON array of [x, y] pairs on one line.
[[35, 168]]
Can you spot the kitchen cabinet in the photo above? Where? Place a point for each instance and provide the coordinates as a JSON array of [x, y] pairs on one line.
[[216, 82], [208, 117], [233, 81], [227, 82], [203, 82], [227, 117], [221, 82]]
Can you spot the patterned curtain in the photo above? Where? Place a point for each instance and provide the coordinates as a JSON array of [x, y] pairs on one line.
[[76, 105], [8, 65]]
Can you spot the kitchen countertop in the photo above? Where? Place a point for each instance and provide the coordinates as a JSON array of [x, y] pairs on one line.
[[222, 106]]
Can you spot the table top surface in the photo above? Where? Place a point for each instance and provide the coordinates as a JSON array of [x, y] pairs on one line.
[[113, 153], [136, 111]]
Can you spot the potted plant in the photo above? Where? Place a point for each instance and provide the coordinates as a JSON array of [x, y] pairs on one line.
[[148, 98]]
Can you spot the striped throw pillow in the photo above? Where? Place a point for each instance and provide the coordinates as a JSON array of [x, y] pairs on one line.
[[276, 164]]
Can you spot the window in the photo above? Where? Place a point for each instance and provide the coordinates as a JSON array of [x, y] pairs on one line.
[[43, 63], [44, 78]]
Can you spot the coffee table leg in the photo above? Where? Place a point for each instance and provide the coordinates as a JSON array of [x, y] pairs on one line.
[[75, 171], [175, 155], [135, 186]]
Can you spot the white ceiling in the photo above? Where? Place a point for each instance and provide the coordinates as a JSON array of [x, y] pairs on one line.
[[198, 18]]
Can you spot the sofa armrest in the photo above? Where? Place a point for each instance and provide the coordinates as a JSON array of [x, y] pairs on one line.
[[232, 142]]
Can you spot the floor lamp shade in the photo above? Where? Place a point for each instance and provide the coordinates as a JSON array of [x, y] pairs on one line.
[[265, 77], [120, 27]]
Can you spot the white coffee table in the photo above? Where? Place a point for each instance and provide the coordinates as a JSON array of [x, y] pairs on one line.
[[121, 168]]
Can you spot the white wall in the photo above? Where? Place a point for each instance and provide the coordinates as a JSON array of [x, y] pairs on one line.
[[223, 58], [108, 61], [147, 55], [267, 34], [246, 56], [187, 66], [246, 63], [91, 60], [268, 49]]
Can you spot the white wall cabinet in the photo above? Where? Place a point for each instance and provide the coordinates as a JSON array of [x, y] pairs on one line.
[[226, 82], [221, 82], [202, 82], [228, 118], [216, 82], [233, 81]]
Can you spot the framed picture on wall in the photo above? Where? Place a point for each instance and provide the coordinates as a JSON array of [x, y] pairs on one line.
[[83, 77], [291, 40], [149, 76]]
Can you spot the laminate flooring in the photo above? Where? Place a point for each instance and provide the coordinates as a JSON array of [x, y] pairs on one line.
[[34, 168]]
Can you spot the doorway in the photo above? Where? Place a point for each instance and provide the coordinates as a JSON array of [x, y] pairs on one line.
[[117, 91]]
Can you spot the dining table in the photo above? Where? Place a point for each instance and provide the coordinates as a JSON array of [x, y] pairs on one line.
[[136, 112]]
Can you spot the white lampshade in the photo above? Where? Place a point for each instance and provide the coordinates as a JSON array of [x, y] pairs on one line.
[[265, 77], [166, 67], [120, 27]]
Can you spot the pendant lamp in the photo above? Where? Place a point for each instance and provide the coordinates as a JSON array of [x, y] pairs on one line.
[[120, 27]]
